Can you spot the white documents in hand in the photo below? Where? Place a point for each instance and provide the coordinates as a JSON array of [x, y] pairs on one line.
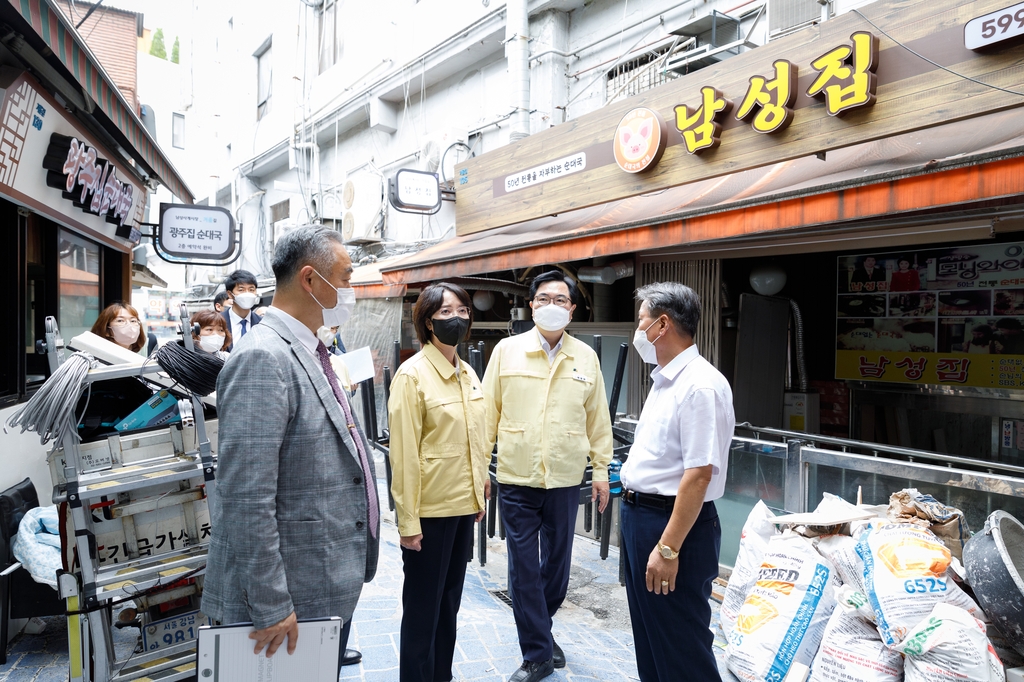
[[224, 654]]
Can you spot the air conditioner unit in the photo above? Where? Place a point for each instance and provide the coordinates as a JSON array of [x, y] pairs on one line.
[[434, 144], [787, 16], [283, 227], [363, 208], [331, 206]]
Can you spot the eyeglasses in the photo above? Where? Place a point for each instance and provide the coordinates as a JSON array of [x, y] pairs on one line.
[[561, 301], [446, 312], [121, 322]]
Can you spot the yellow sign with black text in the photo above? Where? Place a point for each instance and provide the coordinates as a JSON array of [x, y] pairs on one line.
[[982, 371]]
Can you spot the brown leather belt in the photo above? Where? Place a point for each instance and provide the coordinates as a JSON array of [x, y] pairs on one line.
[[649, 500]]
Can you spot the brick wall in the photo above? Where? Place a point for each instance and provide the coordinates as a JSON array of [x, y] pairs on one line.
[[111, 35]]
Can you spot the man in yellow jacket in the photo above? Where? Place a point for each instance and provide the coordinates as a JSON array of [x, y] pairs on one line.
[[548, 412]]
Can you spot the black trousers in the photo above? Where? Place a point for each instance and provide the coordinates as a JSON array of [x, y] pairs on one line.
[[431, 596], [672, 633], [539, 526]]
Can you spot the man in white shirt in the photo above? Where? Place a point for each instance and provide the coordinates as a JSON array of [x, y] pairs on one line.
[[675, 470]]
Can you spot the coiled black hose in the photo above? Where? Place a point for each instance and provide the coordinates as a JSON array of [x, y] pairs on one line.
[[195, 370]]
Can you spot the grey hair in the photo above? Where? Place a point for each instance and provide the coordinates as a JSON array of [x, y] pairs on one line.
[[678, 301], [308, 245]]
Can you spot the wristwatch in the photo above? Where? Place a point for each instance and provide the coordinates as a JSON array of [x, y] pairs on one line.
[[667, 552]]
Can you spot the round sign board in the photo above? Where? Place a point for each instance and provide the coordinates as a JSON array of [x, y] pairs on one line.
[[639, 140]]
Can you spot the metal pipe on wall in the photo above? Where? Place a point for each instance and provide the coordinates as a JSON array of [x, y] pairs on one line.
[[517, 52]]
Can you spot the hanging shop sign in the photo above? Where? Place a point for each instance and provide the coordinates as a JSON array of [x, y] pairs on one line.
[[950, 316], [412, 191], [830, 86], [196, 234]]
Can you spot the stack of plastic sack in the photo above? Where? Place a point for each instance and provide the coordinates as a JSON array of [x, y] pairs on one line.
[[889, 609]]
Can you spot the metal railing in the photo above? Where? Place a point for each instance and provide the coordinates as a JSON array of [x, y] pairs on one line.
[[792, 470]]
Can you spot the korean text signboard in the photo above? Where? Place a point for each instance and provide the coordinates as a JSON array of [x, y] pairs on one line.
[[834, 85], [87, 179], [943, 316], [189, 233]]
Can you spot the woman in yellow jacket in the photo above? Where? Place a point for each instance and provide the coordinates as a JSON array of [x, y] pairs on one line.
[[439, 457]]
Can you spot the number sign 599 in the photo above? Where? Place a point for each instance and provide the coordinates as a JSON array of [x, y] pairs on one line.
[[995, 27]]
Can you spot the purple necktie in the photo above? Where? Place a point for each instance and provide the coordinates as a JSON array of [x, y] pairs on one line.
[[372, 507]]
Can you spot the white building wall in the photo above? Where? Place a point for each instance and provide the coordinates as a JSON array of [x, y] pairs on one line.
[[408, 70]]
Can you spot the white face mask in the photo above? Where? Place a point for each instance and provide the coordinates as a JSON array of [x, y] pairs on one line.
[[211, 343], [551, 318], [644, 346], [342, 310], [326, 335], [246, 301], [126, 335]]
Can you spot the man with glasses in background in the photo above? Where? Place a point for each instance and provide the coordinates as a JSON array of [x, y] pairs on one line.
[[548, 412]]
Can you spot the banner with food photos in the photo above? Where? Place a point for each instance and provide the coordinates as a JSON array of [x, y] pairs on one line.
[[952, 316]]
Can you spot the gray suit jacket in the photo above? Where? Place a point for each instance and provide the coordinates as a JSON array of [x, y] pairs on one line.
[[289, 524]]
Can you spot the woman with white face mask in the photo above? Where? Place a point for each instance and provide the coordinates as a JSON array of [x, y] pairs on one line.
[[119, 323], [214, 336]]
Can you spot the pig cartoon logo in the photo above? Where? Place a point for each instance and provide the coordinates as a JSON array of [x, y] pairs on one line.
[[639, 140]]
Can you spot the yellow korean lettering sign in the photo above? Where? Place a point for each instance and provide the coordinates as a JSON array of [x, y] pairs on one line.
[[808, 92]]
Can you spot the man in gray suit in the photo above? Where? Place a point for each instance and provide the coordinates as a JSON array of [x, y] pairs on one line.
[[296, 519]]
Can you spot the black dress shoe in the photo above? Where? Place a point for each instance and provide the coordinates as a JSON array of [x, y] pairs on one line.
[[558, 656], [351, 657], [531, 671]]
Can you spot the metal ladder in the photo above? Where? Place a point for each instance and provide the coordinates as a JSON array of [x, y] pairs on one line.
[[91, 589]]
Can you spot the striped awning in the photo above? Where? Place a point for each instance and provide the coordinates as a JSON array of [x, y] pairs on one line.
[[68, 46]]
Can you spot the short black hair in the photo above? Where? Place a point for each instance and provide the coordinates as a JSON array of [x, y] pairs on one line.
[[307, 245], [555, 276], [678, 301], [238, 277], [430, 301], [221, 297], [1008, 323]]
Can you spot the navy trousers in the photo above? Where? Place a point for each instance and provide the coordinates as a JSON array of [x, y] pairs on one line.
[[672, 632], [539, 526], [431, 597]]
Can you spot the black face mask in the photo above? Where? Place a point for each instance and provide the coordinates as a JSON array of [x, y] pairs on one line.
[[451, 331]]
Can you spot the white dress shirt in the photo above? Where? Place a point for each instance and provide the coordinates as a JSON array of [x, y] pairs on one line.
[[687, 422], [552, 352], [236, 324], [302, 333]]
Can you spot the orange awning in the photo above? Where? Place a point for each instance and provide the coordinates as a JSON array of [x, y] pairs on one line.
[[961, 163], [368, 282]]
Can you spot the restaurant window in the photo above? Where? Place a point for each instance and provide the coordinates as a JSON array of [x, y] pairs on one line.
[[178, 131], [264, 80], [331, 38], [78, 284]]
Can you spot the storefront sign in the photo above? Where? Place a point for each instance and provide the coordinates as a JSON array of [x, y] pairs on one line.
[[87, 179], [195, 234], [995, 27], [639, 140], [942, 316], [50, 165], [807, 93]]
